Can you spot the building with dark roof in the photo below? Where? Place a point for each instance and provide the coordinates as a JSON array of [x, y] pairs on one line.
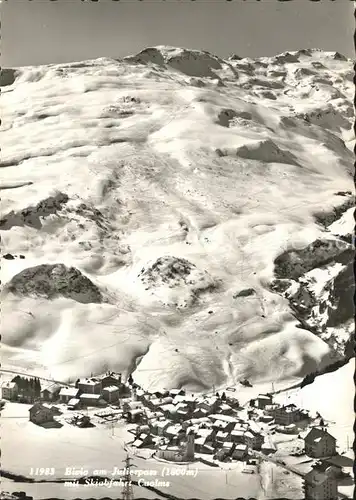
[[319, 443]]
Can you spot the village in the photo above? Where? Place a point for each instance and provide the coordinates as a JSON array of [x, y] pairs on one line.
[[178, 427]]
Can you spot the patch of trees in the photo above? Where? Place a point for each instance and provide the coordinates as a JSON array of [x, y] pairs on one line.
[[28, 386]]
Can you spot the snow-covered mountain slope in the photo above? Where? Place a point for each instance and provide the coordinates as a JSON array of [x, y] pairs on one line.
[[177, 187]]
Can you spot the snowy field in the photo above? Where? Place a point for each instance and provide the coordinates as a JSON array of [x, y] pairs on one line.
[[172, 180], [331, 395]]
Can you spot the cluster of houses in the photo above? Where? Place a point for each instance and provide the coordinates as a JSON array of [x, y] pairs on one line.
[[213, 425], [177, 424], [93, 391]]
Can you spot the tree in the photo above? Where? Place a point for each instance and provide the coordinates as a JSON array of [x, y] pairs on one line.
[[130, 379], [223, 396]]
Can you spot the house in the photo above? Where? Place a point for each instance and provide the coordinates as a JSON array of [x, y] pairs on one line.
[[253, 440], [238, 436], [169, 410], [266, 418], [208, 449], [222, 424], [240, 451], [268, 447], [143, 429], [319, 443], [9, 390], [333, 469], [111, 393], [131, 405], [90, 386], [200, 413], [154, 403], [139, 394], [136, 416], [67, 393], [73, 404], [223, 418], [50, 393], [229, 447], [320, 485], [210, 404], [159, 427], [286, 415], [142, 440], [90, 399], [271, 409], [225, 409], [221, 437], [262, 401], [200, 444], [167, 400], [221, 455], [110, 379], [233, 402], [171, 453], [40, 414], [174, 433], [176, 392]]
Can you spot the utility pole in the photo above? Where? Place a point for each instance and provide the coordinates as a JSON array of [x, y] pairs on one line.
[[127, 492]]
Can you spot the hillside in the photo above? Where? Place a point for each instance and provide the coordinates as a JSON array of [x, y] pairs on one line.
[[206, 205]]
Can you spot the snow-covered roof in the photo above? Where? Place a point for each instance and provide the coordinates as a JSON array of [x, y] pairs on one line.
[[174, 429], [162, 423], [69, 391], [73, 402], [201, 440], [89, 381], [111, 388], [89, 396], [136, 411], [9, 385], [225, 407], [175, 392], [223, 418], [264, 396], [168, 407], [237, 433], [316, 435], [227, 444]]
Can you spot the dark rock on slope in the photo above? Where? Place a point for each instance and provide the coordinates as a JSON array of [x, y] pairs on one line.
[[31, 216], [52, 281], [294, 263]]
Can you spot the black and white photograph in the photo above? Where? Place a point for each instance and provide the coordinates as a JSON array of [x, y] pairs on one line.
[[177, 249]]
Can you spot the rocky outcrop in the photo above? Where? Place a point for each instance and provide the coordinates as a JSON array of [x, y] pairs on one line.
[[51, 281], [318, 282], [7, 76], [292, 264], [247, 292], [31, 216], [327, 218]]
